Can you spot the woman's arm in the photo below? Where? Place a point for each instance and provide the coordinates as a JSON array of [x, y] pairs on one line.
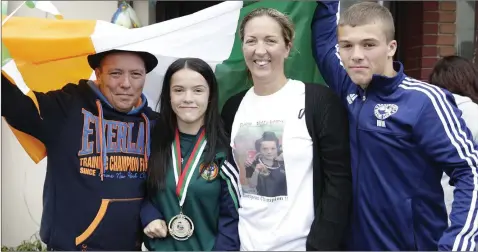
[[332, 149]]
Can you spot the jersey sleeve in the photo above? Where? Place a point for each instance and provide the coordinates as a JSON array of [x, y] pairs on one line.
[[444, 138], [325, 47], [37, 114], [149, 212], [228, 235]]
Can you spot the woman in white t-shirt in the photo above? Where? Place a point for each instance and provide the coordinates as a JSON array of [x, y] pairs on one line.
[[296, 187], [459, 76]]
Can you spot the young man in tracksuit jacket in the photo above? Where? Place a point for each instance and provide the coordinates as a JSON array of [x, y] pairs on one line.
[[97, 138], [404, 134]]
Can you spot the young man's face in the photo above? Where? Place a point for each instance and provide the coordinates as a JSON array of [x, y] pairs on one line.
[[364, 51]]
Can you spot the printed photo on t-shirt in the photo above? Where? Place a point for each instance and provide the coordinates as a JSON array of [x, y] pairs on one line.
[[258, 154]]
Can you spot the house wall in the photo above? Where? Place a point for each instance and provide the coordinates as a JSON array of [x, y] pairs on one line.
[[427, 32], [430, 30]]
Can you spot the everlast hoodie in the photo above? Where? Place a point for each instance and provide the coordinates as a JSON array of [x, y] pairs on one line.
[[96, 165]]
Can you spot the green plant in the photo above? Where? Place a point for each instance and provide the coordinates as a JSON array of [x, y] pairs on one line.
[[34, 244]]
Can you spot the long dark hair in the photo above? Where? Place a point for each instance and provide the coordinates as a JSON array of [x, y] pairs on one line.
[[458, 75], [163, 132]]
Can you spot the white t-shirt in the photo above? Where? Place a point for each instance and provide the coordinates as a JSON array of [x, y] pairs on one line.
[[469, 114], [273, 151]]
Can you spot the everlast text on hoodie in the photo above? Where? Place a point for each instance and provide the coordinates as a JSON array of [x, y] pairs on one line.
[[96, 166]]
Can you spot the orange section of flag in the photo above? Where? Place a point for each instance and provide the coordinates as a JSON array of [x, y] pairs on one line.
[[49, 54]]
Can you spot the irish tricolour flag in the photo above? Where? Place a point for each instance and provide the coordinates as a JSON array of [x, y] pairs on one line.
[[47, 53]]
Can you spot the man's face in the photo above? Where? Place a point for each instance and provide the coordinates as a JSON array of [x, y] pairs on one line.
[[121, 78], [364, 51]]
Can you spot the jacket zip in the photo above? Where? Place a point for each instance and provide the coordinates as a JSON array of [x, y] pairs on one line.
[[362, 102]]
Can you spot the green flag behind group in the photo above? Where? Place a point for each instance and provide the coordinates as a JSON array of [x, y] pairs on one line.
[[300, 65]]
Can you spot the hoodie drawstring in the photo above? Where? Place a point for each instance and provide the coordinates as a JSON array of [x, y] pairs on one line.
[[101, 132], [103, 152], [146, 142]]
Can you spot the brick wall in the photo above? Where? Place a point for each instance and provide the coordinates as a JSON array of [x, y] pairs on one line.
[[425, 32]]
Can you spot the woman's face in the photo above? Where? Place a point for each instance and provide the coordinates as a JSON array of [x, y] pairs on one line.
[[269, 150], [264, 47]]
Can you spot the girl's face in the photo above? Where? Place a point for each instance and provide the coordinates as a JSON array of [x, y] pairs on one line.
[[189, 96]]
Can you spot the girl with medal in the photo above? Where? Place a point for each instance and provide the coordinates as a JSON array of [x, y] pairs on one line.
[[192, 189]]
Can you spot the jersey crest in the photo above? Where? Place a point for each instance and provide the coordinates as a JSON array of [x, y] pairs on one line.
[[209, 173]]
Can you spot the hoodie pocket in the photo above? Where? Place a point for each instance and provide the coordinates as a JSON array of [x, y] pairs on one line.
[[116, 226]]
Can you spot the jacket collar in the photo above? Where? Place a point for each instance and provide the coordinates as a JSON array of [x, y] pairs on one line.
[[383, 84]]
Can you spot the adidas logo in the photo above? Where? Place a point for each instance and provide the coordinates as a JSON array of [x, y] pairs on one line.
[[351, 98]]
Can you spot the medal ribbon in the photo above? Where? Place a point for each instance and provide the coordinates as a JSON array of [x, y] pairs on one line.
[[185, 172]]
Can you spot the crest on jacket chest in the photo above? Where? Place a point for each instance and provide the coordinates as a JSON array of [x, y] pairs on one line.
[[384, 111]]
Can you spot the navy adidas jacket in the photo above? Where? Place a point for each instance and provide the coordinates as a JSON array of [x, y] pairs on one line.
[[96, 166], [404, 134]]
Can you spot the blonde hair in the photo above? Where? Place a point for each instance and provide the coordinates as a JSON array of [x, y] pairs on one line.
[[364, 13], [287, 27]]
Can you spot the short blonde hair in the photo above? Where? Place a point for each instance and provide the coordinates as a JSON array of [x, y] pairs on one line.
[[287, 27], [366, 13]]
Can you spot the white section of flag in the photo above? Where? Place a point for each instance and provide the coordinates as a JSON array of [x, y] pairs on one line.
[[12, 70], [207, 34], [46, 6]]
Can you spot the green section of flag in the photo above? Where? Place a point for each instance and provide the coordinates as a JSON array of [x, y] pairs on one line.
[[5, 55], [300, 65], [4, 7], [30, 4]]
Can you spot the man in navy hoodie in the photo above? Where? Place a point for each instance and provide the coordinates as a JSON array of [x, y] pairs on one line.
[[404, 134], [97, 138]]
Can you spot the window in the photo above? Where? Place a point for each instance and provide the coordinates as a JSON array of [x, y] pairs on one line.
[[344, 4], [465, 28]]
